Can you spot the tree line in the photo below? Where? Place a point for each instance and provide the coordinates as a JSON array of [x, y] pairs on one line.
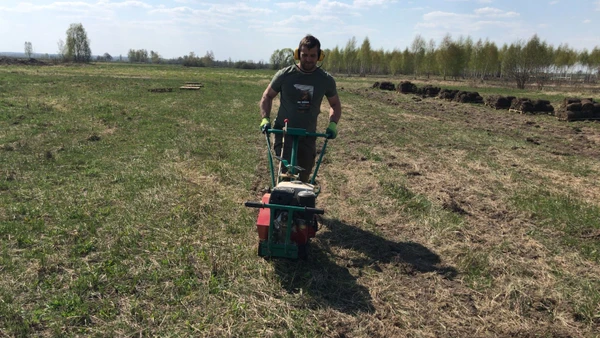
[[521, 61], [76, 48], [192, 60]]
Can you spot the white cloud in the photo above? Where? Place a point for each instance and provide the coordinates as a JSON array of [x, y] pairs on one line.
[[174, 11], [307, 19], [128, 4], [495, 12], [483, 21], [291, 5], [587, 21], [553, 2], [75, 6], [371, 3], [326, 5], [239, 9]]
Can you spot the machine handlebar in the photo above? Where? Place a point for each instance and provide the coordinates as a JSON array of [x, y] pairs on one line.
[[279, 206], [296, 132]]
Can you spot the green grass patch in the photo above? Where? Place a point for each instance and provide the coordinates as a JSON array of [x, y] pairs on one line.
[[577, 223]]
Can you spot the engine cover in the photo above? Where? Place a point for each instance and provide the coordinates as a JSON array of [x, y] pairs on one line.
[[283, 196]]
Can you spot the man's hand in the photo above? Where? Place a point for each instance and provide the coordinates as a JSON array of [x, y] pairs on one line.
[[265, 124], [331, 130]]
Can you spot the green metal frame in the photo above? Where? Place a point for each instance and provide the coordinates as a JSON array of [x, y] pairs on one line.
[[288, 249], [292, 166]]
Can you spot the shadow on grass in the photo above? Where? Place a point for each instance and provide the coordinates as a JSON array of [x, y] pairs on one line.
[[329, 284]]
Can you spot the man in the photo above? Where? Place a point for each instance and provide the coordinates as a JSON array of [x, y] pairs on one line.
[[302, 87]]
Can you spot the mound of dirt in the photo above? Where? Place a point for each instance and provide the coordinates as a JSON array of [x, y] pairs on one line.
[[468, 97], [428, 91], [460, 96], [384, 86], [448, 94], [25, 62], [406, 87]]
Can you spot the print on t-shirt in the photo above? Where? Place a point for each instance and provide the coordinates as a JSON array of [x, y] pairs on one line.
[[305, 94]]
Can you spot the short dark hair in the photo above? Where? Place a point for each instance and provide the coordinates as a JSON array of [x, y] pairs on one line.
[[310, 42]]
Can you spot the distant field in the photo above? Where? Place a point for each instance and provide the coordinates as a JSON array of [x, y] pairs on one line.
[[121, 212]]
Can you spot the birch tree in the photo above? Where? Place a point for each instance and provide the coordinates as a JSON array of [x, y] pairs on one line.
[[28, 49], [77, 44]]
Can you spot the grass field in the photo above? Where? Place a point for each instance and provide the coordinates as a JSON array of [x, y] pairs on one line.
[[121, 213]]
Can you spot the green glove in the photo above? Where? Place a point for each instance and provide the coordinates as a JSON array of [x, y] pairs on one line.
[[265, 124], [331, 130]]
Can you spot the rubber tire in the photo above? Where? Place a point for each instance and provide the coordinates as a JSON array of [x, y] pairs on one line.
[[258, 250], [303, 250]]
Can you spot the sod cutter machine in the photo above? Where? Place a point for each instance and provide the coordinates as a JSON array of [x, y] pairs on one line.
[[287, 214]]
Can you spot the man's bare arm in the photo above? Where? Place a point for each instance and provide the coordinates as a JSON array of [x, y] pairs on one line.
[[335, 112], [266, 102]]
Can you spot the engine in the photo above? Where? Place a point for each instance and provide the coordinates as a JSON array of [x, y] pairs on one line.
[[304, 224]]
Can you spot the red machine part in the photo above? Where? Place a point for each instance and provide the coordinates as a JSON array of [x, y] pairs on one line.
[[300, 235], [264, 217]]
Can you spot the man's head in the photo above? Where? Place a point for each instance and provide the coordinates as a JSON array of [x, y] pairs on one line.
[[309, 52]]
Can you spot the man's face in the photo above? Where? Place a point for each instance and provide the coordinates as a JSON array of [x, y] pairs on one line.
[[308, 58]]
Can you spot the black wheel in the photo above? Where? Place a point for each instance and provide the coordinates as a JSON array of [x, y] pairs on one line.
[[316, 220], [303, 251], [258, 251]]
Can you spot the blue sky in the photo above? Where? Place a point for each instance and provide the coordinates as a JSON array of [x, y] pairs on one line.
[[253, 29]]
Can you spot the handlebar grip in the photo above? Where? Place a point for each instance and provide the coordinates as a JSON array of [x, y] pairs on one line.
[[315, 210], [254, 205]]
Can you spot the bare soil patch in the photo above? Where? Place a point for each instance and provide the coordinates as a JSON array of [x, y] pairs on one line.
[[518, 292], [564, 138]]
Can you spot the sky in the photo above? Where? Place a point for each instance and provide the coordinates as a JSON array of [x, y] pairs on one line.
[[252, 30]]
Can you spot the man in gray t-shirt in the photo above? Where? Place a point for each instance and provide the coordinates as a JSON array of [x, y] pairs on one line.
[[302, 87]]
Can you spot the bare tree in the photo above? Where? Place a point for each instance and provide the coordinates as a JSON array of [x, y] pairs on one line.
[[208, 59], [28, 49], [154, 57], [62, 49], [106, 57]]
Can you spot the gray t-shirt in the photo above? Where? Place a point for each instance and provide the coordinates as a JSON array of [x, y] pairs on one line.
[[301, 95]]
